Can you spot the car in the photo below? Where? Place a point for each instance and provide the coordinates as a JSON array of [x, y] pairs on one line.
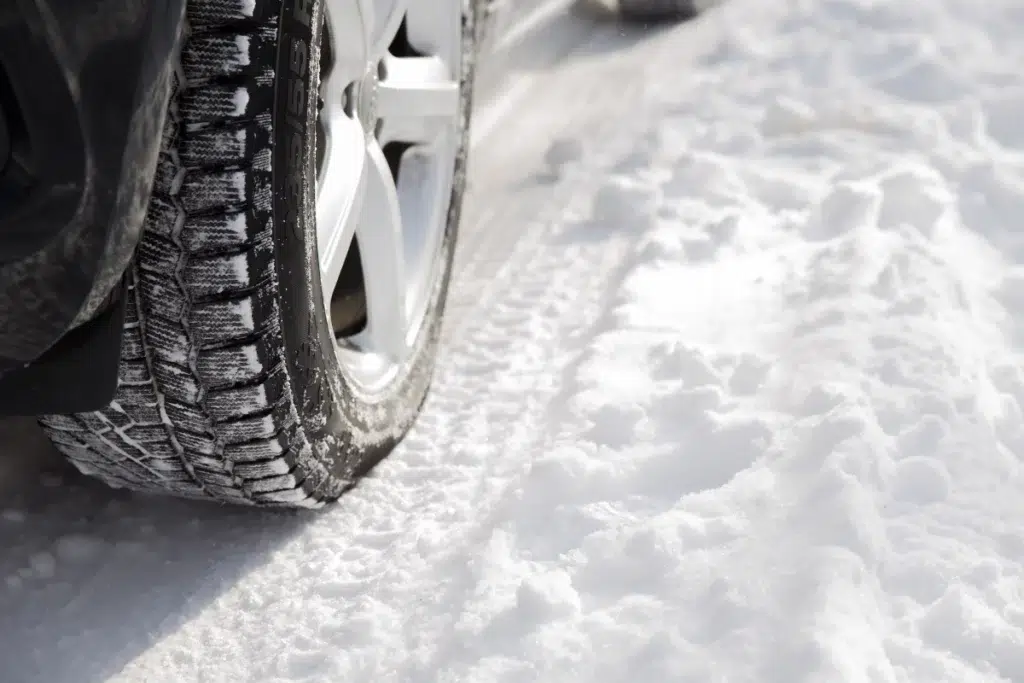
[[228, 229], [660, 10]]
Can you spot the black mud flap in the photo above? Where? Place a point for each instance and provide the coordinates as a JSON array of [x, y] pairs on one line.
[[78, 374]]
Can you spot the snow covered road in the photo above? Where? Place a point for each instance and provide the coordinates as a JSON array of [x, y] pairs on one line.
[[732, 392]]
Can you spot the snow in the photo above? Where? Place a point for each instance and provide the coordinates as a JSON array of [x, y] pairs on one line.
[[740, 401], [241, 100]]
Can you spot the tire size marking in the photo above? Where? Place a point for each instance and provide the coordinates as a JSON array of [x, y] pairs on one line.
[[295, 121], [294, 103]]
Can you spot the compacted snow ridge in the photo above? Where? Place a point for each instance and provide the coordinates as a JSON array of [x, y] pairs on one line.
[[741, 403]]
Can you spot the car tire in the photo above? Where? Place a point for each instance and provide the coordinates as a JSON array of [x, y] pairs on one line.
[[230, 387]]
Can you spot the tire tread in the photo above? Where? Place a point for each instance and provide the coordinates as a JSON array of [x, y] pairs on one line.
[[203, 406]]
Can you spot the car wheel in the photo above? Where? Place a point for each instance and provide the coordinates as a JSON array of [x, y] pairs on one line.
[[286, 298]]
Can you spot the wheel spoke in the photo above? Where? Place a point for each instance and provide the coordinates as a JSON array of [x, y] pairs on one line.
[[340, 195], [381, 246], [418, 99], [350, 25]]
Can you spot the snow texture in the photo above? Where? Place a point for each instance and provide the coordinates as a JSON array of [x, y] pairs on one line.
[[743, 404]]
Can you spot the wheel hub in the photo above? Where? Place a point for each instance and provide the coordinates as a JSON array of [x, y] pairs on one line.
[[365, 93]]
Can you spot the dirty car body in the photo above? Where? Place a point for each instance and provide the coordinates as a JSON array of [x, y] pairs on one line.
[[84, 86]]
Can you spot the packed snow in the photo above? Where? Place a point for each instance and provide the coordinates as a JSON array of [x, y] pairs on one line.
[[741, 401]]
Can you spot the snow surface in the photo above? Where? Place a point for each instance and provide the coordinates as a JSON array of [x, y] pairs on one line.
[[741, 401]]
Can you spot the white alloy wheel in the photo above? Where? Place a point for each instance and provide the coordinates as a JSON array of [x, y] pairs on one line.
[[389, 121]]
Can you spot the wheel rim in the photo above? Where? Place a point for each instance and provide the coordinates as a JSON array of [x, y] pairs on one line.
[[388, 134]]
